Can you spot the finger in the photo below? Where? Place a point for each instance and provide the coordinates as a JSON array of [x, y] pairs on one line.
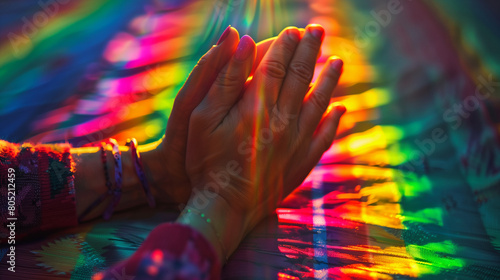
[[272, 69], [228, 85], [318, 98], [262, 48], [301, 70], [323, 138], [321, 142], [196, 86]]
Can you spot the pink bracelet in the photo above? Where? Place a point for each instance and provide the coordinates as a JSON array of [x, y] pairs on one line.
[[136, 158]]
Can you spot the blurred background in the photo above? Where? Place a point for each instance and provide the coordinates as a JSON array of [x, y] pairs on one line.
[[410, 189]]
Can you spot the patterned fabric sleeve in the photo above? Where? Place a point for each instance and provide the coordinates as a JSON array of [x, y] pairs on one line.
[[37, 189], [171, 251]]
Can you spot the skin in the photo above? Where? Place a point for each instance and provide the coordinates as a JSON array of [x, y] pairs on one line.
[[217, 118], [237, 186], [164, 161]]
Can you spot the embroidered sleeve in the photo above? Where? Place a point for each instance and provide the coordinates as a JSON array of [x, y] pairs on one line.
[[171, 251], [37, 189]]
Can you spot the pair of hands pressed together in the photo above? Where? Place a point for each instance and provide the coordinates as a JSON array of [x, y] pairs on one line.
[[239, 145], [245, 130]]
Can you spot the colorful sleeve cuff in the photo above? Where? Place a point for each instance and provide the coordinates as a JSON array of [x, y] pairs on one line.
[[171, 251], [43, 184]]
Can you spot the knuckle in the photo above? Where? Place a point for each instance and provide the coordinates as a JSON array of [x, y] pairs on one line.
[[320, 101], [203, 60], [288, 45], [302, 71], [227, 79], [273, 68]]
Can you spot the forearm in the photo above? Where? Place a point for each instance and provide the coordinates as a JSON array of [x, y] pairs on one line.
[[46, 187]]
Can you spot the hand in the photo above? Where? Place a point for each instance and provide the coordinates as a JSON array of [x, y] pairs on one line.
[[167, 161], [164, 160], [251, 144]]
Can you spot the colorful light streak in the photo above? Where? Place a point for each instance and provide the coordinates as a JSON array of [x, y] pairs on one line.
[[359, 214]]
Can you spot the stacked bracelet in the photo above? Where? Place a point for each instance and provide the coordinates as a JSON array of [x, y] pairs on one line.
[[136, 158], [116, 193]]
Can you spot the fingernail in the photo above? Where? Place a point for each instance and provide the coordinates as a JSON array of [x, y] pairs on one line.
[[224, 35], [244, 48], [337, 64], [293, 33], [317, 31], [340, 108]]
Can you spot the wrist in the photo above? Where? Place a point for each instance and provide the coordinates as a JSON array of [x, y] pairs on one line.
[[167, 174], [221, 225]]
